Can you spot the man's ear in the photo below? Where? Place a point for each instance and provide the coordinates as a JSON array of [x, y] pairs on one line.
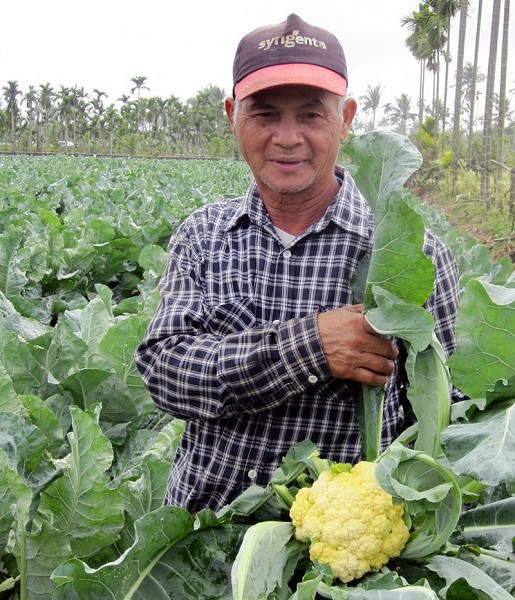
[[230, 105], [349, 111]]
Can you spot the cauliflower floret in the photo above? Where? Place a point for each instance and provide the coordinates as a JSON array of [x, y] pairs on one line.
[[350, 522]]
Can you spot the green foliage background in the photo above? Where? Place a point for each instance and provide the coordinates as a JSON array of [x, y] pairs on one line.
[[84, 454]]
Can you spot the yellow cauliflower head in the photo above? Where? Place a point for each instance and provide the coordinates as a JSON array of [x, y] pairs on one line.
[[350, 522]]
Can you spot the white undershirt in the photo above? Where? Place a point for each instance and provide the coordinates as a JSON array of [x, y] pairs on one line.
[[285, 237]]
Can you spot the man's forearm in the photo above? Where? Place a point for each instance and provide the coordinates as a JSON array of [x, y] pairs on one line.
[[209, 377]]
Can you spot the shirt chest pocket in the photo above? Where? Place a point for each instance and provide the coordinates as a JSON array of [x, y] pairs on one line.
[[231, 317]]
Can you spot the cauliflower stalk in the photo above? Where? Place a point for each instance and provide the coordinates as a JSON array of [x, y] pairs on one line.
[[350, 522]]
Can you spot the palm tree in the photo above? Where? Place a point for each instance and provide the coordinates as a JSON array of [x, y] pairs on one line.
[[371, 101], [46, 100], [111, 119], [446, 9], [210, 101], [456, 133], [98, 109], [400, 114], [80, 117], [11, 91], [489, 102], [160, 117], [32, 103], [65, 111], [151, 114], [128, 113], [475, 79], [205, 116], [175, 122], [419, 46], [470, 94], [426, 40], [499, 155], [139, 84]]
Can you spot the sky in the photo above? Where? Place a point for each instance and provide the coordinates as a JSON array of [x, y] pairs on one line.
[[184, 46]]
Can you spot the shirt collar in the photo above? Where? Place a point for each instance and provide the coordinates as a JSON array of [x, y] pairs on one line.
[[349, 209]]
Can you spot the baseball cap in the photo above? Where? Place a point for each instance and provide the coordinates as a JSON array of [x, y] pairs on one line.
[[289, 53]]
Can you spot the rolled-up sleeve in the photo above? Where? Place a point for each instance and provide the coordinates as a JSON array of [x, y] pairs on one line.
[[202, 362]]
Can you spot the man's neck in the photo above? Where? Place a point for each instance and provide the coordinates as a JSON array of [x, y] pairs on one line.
[[296, 212]]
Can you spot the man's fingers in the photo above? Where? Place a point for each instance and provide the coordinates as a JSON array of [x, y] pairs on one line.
[[353, 349], [370, 378], [376, 345]]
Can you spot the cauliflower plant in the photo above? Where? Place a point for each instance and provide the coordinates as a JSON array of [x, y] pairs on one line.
[[350, 522]]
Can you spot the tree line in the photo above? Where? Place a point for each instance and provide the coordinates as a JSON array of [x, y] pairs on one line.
[[43, 119]]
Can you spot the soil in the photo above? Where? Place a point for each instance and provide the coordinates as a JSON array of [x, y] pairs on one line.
[[470, 219]]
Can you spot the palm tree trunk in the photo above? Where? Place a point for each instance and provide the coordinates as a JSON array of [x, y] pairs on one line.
[[470, 159], [489, 102], [45, 131], [30, 130], [437, 94], [446, 84], [421, 92], [502, 91], [38, 133], [456, 134], [13, 129]]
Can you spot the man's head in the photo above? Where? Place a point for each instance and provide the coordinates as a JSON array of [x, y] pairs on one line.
[[289, 53], [289, 112]]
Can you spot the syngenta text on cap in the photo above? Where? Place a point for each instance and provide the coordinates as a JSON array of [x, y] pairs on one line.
[[291, 40]]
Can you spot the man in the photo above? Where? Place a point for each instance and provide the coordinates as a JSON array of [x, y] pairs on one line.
[[256, 333]]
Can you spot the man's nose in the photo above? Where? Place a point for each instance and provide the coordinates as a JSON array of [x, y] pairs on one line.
[[287, 132]]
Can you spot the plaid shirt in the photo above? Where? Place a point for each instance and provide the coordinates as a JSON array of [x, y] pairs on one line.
[[233, 348]]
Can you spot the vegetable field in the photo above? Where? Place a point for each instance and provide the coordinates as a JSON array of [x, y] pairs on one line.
[[84, 454]]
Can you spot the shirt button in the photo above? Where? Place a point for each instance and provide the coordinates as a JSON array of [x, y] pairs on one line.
[[287, 254], [252, 474], [312, 379]]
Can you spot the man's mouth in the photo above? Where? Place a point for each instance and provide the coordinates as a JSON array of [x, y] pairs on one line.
[[287, 162]]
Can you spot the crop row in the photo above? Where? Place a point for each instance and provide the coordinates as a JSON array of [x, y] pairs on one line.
[[84, 455]]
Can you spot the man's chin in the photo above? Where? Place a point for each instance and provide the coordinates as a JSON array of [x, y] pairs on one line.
[[292, 188]]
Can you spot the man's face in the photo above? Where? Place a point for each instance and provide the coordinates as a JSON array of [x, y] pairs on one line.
[[290, 136]]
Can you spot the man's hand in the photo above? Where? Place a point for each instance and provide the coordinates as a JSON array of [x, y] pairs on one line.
[[352, 348]]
